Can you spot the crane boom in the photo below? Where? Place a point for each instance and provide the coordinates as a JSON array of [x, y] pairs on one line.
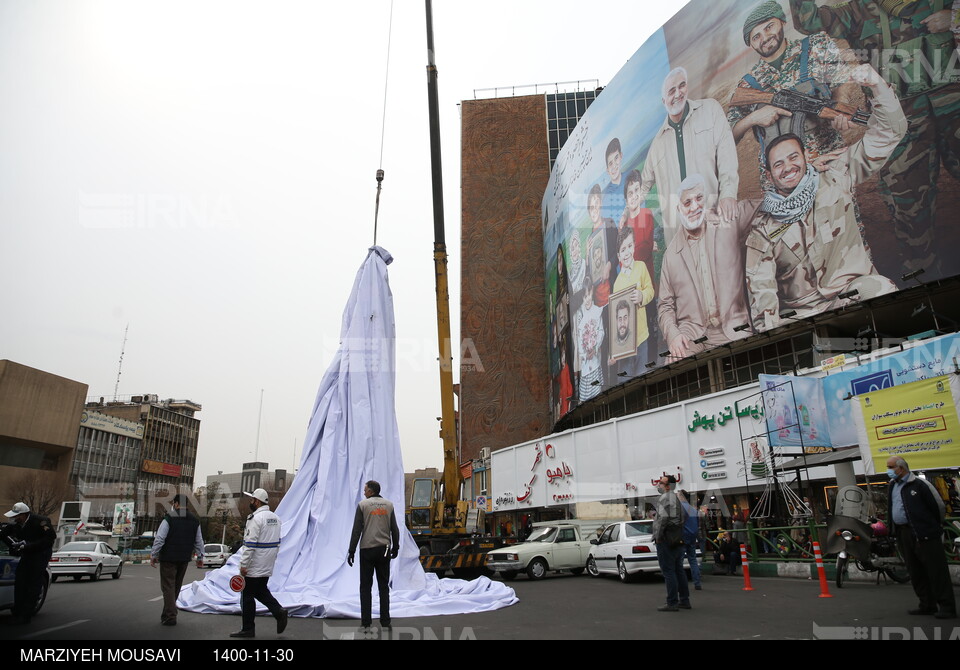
[[448, 430]]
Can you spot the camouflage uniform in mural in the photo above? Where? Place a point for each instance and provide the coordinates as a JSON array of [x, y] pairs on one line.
[[806, 265], [824, 65], [930, 101]]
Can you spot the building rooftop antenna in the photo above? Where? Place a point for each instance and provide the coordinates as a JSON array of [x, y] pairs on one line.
[[123, 348], [256, 455]]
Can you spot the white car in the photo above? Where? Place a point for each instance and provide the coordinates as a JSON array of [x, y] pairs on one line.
[[86, 559], [625, 549], [552, 547], [215, 555]]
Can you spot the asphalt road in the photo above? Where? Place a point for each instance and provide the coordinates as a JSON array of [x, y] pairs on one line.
[[561, 607]]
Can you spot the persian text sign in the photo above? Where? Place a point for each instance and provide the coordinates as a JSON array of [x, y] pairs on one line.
[[917, 421], [158, 468]]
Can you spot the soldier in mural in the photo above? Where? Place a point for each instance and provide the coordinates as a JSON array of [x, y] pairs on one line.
[[701, 299], [914, 41], [805, 250], [694, 138], [813, 66]]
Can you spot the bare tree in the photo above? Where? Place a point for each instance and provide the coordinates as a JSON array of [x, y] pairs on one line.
[[41, 490]]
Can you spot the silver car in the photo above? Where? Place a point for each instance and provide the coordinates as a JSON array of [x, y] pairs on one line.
[[215, 555], [86, 559]]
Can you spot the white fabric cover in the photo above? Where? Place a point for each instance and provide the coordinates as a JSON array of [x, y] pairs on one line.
[[352, 438]]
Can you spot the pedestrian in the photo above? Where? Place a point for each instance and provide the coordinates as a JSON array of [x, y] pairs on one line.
[[31, 537], [917, 513], [177, 539], [668, 535], [375, 528], [691, 538], [730, 553], [261, 544]]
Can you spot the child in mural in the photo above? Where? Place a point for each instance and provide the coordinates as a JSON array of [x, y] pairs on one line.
[[639, 219], [589, 331], [595, 209], [563, 294], [613, 198], [634, 274], [578, 265], [565, 384]]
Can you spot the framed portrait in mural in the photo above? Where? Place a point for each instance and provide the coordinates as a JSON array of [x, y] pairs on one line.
[[563, 312], [622, 316], [597, 254]]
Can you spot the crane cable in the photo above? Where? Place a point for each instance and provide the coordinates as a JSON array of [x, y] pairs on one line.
[[383, 128]]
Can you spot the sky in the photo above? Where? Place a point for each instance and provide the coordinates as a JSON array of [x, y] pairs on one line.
[[201, 175]]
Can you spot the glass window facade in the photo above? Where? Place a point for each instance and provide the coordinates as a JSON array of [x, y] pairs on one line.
[[564, 111]]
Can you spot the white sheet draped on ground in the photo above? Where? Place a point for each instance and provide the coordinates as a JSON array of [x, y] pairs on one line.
[[352, 438]]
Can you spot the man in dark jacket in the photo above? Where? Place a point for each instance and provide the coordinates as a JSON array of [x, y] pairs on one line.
[[32, 539], [376, 523], [668, 534], [916, 513], [177, 539]]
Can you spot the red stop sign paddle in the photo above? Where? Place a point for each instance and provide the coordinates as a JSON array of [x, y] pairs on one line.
[[237, 583]]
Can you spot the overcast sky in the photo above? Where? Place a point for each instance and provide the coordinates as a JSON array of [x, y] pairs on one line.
[[204, 172]]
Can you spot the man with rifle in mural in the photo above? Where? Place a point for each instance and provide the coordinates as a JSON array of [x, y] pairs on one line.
[[812, 67], [804, 252], [913, 43]]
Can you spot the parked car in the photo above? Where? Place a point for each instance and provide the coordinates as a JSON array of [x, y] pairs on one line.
[[86, 559], [215, 555], [625, 549], [552, 546], [8, 571]]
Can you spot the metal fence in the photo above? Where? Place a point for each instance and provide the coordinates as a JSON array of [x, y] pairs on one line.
[[795, 543]]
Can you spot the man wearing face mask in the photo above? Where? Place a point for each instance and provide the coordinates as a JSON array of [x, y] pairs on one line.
[[702, 279], [261, 544], [31, 537], [916, 513]]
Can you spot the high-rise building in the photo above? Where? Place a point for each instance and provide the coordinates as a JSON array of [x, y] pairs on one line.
[[508, 148], [107, 462], [39, 416], [171, 432]]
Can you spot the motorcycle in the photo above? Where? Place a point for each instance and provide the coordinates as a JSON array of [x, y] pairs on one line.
[[869, 546]]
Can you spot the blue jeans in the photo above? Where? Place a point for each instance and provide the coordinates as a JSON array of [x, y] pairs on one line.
[[690, 552], [671, 565]]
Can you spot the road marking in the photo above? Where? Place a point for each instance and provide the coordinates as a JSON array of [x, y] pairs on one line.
[[51, 630], [153, 600]]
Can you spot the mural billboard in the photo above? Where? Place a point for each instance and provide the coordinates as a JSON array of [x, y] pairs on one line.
[[751, 164]]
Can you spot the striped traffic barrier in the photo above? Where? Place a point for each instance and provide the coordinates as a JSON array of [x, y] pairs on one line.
[[824, 589], [746, 568]]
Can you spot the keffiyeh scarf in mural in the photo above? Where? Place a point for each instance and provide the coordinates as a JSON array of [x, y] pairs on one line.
[[791, 208]]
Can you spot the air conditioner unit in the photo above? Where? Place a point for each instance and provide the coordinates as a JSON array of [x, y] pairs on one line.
[[485, 453]]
